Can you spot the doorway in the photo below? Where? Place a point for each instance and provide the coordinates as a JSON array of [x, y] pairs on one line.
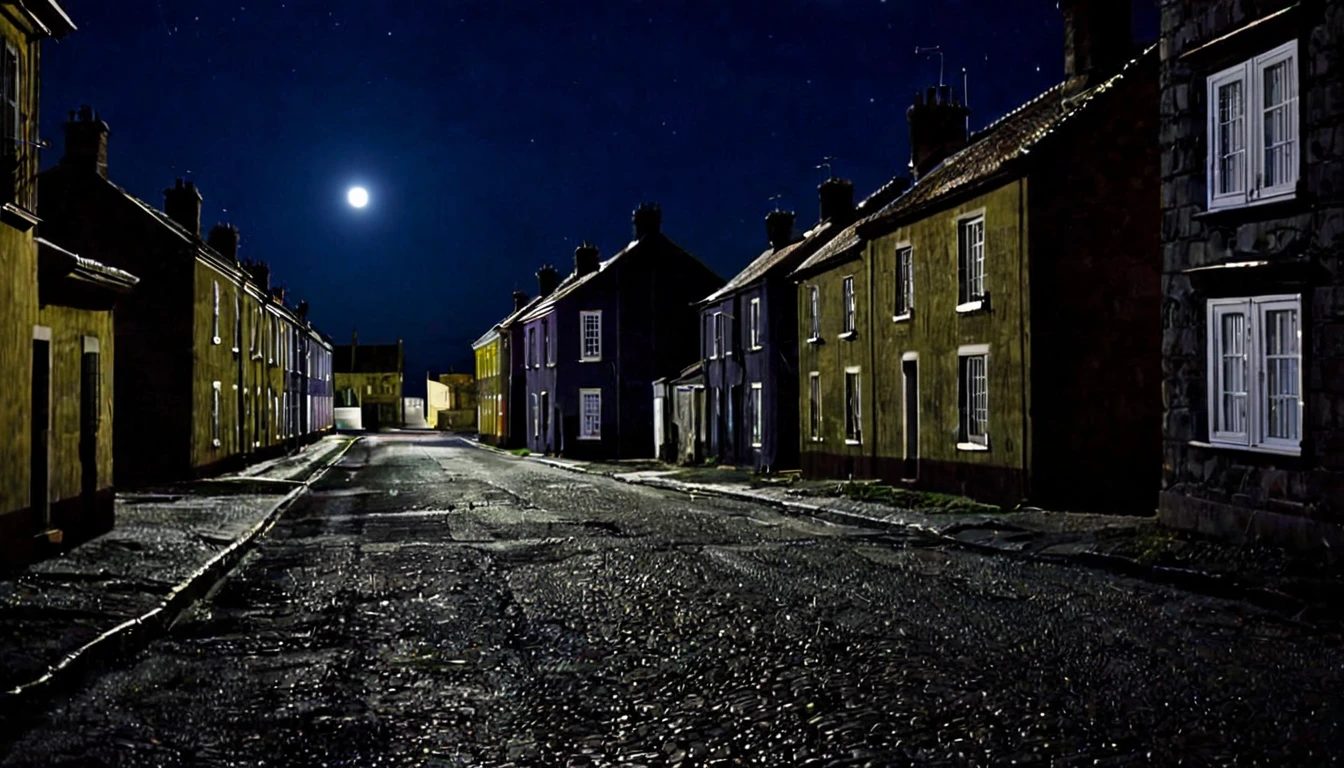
[[90, 401], [910, 386], [39, 492]]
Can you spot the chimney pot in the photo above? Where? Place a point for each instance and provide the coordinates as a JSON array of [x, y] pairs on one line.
[[937, 130], [86, 142], [182, 203], [779, 228], [586, 259], [547, 280], [648, 220], [519, 300], [1098, 39], [224, 239], [837, 200]]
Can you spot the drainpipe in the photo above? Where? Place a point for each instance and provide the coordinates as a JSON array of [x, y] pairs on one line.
[[1022, 334]]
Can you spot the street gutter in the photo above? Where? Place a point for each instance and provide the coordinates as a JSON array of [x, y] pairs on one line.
[[134, 634]]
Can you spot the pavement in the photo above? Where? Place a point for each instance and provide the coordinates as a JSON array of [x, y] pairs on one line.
[[1307, 588], [170, 544], [427, 603]]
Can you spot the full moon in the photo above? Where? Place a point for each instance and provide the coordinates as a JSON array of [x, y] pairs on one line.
[[358, 197]]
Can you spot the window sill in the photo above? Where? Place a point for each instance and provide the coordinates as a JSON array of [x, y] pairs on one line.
[[853, 442], [590, 359], [848, 335], [550, 365], [972, 447], [216, 341], [581, 437], [901, 318], [815, 340], [215, 443], [756, 446], [971, 306], [756, 348], [1282, 205], [1265, 449], [817, 439], [18, 217], [236, 350]]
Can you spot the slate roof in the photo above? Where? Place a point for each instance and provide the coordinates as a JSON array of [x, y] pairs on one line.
[[992, 154], [371, 358], [762, 265]]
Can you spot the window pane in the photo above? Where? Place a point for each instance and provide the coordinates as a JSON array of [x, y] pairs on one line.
[[1279, 98], [1231, 138], [1232, 415], [1282, 399]]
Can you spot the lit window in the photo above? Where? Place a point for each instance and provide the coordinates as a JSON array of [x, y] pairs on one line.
[[853, 405], [590, 411], [905, 283], [1253, 130], [591, 323], [850, 304], [1255, 377], [970, 261]]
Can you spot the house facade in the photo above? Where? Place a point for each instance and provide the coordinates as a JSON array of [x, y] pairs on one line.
[[500, 376], [594, 345], [207, 351], [1253, 299], [370, 377], [491, 385], [992, 332]]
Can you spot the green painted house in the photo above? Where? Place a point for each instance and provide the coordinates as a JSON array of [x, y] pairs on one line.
[[995, 331]]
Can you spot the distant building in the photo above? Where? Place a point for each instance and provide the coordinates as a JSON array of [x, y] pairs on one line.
[[451, 402], [596, 341], [1252, 135], [993, 331], [749, 337], [680, 424], [210, 359], [370, 377]]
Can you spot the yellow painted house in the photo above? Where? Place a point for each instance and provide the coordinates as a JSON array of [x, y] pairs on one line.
[[994, 331]]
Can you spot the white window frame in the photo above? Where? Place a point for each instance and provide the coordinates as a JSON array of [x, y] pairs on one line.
[[854, 436], [716, 337], [904, 299], [1250, 74], [214, 327], [851, 304], [754, 321], [814, 307], [548, 340], [590, 430], [970, 262], [585, 355], [815, 414], [530, 348], [1255, 435], [214, 413], [237, 322], [757, 407], [966, 404], [536, 416]]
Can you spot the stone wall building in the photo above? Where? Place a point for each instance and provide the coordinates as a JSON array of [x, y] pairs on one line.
[[370, 377], [1252, 133]]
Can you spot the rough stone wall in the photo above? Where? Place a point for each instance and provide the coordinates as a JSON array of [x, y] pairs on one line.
[[1227, 491]]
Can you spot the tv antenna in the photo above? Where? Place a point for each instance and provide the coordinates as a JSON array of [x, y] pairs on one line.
[[826, 163], [938, 49], [774, 199]]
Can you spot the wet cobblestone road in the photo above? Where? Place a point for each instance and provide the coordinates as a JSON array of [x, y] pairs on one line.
[[430, 603]]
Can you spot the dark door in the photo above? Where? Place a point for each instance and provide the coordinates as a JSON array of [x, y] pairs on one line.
[[39, 492], [90, 398], [910, 379]]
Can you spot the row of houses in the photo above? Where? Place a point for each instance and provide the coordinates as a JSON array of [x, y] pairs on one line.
[[115, 308], [1126, 292]]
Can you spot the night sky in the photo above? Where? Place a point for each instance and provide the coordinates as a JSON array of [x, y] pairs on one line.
[[495, 136]]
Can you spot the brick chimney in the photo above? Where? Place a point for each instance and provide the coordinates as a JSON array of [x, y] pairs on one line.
[[519, 300], [278, 293], [302, 311], [86, 142], [182, 203], [937, 128], [586, 259], [648, 220], [1098, 39], [260, 272], [837, 200], [547, 279], [224, 239], [779, 228]]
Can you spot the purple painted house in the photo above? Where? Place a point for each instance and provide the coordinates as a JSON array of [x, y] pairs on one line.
[[749, 340], [594, 345]]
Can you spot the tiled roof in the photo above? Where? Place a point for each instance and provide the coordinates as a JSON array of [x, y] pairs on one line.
[[517, 313], [370, 358], [991, 152], [842, 242], [761, 266]]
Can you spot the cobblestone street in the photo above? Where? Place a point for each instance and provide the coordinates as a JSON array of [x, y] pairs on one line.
[[431, 603]]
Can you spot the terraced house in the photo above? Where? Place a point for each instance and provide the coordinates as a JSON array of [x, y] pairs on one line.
[[594, 345], [56, 333], [500, 377], [749, 338], [1253, 307], [993, 331], [210, 357]]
